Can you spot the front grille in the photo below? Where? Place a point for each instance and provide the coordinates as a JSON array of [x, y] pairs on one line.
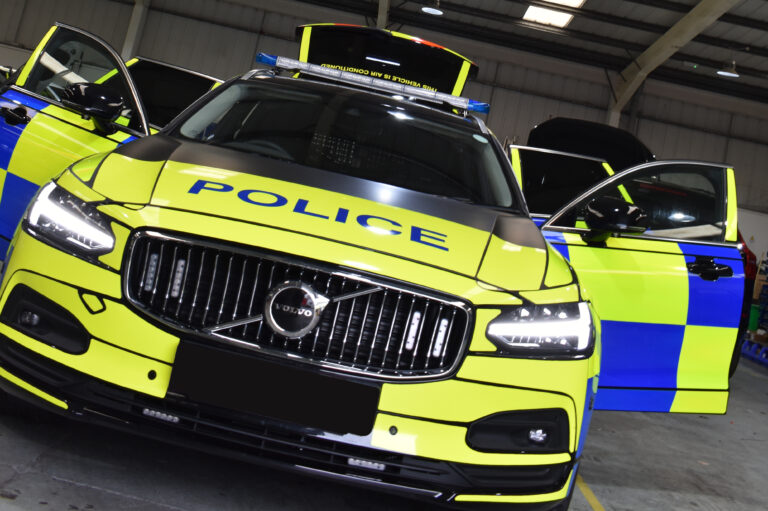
[[219, 292]]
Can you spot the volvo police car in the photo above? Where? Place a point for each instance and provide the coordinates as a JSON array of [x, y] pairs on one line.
[[326, 269]]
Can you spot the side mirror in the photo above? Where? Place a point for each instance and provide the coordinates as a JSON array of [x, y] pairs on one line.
[[606, 215], [92, 100]]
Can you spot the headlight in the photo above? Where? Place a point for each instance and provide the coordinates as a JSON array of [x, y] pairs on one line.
[[557, 330], [63, 220]]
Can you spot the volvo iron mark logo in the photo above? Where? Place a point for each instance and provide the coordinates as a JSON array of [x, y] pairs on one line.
[[293, 308]]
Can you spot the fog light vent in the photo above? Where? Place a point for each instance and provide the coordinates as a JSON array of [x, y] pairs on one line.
[[521, 431], [43, 319]]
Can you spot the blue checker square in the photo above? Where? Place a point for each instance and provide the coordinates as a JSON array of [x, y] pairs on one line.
[[17, 194], [9, 136], [557, 240], [716, 302], [24, 99], [634, 400], [640, 355]]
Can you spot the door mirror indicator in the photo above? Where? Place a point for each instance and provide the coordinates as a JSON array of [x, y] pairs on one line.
[[605, 215], [95, 101]]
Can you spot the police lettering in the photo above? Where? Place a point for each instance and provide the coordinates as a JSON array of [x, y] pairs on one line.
[[374, 223]]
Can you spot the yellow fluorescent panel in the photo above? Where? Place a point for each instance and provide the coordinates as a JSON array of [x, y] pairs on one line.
[[628, 285], [116, 324], [114, 259], [731, 228], [61, 143], [563, 294], [104, 362], [127, 179], [558, 272], [503, 261], [362, 222], [459, 401], [705, 357], [692, 401], [35, 256], [32, 389], [566, 376]]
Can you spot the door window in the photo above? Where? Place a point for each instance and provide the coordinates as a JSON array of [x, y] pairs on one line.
[[681, 201], [71, 57], [551, 179]]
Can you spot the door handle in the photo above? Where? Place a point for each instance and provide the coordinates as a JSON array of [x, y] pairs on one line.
[[708, 269], [15, 116]]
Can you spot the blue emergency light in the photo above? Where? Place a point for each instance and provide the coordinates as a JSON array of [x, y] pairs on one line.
[[372, 83]]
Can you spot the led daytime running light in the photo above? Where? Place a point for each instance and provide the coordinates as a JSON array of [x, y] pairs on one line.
[[67, 220], [531, 332]]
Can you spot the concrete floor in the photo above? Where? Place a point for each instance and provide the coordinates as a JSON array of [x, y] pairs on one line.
[[633, 461]]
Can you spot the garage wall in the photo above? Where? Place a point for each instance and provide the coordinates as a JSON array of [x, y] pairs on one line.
[[753, 227], [222, 37]]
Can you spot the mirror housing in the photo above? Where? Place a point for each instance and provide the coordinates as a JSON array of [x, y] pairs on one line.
[[606, 215], [92, 100]]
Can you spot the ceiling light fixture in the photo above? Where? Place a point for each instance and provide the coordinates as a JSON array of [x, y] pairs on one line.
[[729, 70], [551, 17], [433, 9]]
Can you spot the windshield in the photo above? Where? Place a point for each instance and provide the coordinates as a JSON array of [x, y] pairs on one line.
[[357, 134]]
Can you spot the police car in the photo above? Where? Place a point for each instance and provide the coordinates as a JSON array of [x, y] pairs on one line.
[[329, 266]]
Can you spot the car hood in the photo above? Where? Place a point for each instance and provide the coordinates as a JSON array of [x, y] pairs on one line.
[[501, 249]]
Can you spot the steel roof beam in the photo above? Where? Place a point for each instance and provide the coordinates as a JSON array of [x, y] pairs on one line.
[[135, 29], [381, 19], [536, 46], [644, 26], [594, 38], [733, 19], [689, 26]]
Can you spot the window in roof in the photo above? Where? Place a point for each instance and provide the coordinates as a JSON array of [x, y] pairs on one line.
[[552, 17]]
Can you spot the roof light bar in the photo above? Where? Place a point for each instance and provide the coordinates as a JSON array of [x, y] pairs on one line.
[[372, 83]]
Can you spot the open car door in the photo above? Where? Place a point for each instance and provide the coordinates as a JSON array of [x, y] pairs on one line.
[[655, 248], [43, 129], [42, 133]]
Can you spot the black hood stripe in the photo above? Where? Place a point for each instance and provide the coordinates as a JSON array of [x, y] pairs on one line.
[[512, 228]]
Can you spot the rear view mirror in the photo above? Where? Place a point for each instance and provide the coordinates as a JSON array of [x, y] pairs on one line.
[[605, 215], [95, 101]]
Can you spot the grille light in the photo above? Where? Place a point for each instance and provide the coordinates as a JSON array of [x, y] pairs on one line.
[[149, 279], [442, 331], [371, 465], [178, 277], [156, 414], [413, 329]]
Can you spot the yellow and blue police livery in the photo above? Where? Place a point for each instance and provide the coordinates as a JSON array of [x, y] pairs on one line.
[[40, 133], [667, 297], [337, 273]]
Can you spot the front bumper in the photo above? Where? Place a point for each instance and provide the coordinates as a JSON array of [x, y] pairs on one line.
[[122, 380], [259, 439]]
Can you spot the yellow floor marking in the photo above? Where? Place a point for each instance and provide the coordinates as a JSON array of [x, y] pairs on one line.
[[587, 492]]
